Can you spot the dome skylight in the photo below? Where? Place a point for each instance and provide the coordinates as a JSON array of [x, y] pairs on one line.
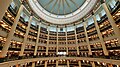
[[61, 11]]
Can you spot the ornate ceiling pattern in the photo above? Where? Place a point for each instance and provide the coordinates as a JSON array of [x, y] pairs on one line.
[[61, 7], [61, 11]]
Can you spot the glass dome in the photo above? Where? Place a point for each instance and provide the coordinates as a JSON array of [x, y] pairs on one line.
[[61, 11], [61, 7]]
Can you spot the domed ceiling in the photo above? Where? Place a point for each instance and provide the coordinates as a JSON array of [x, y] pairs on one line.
[[61, 7], [61, 11]]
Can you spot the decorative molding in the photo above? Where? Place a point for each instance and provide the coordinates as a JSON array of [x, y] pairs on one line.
[[78, 14]]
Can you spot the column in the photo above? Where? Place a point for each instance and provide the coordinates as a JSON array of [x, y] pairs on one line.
[[100, 15], [45, 64], [66, 41], [37, 40], [111, 20], [56, 63], [33, 64], [25, 37], [76, 40], [117, 65], [79, 63], [87, 39], [11, 33], [4, 4], [57, 41], [17, 65], [110, 65], [68, 63], [47, 40], [93, 64], [36, 44], [100, 36]]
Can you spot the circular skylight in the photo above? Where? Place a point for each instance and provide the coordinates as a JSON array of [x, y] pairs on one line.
[[61, 7], [61, 11]]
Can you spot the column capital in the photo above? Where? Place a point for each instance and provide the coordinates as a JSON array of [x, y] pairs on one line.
[[65, 29], [40, 24], [75, 27], [23, 2], [65, 26], [92, 13], [46, 60], [57, 26], [74, 24], [83, 20], [40, 20], [68, 60], [48, 26], [31, 13], [102, 1]]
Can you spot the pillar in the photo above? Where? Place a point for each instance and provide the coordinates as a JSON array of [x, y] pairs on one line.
[[112, 21], [37, 40], [11, 33], [33, 64], [93, 64], [25, 37], [17, 65], [4, 4], [100, 36], [66, 41], [68, 64], [110, 65], [57, 41], [76, 40], [36, 44], [79, 63], [117, 65], [87, 39], [56, 63], [45, 64], [47, 40]]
